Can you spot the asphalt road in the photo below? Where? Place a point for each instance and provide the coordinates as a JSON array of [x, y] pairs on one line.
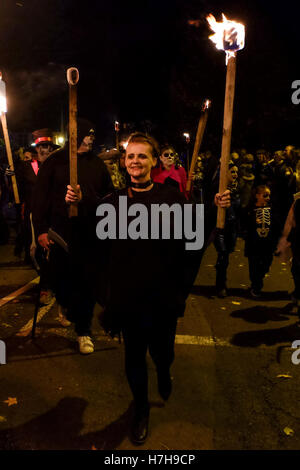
[[235, 386]]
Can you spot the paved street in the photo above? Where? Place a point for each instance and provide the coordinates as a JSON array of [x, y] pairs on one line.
[[235, 386]]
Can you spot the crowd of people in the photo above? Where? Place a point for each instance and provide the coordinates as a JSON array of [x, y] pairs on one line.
[[143, 283]]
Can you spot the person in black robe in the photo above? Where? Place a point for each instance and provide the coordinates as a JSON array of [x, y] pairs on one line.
[[71, 271], [146, 282]]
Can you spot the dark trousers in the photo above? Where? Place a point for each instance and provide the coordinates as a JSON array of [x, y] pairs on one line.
[[259, 265], [43, 264], [72, 289], [158, 336], [296, 275], [221, 269]]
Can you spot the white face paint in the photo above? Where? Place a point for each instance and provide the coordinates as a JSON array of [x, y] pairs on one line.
[[88, 141], [167, 158], [233, 173], [43, 151]]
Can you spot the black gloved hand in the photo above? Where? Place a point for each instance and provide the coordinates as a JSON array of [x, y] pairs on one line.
[[9, 172]]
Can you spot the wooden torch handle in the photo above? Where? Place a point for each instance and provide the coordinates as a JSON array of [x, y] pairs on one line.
[[9, 157], [226, 139], [73, 78], [197, 145]]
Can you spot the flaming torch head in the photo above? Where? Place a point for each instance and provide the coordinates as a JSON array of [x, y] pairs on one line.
[[187, 137], [206, 105], [3, 107], [229, 35]]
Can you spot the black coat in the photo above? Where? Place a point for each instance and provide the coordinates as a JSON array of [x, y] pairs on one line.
[[26, 180], [144, 276], [49, 206]]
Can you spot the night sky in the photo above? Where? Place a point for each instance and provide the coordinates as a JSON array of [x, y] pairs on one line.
[[143, 64]]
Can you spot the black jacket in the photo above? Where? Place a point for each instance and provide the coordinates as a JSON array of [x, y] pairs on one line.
[[26, 179], [49, 206], [144, 276]]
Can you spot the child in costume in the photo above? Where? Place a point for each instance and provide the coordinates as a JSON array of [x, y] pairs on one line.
[[260, 238]]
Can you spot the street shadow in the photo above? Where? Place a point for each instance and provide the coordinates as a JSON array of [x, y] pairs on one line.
[[271, 337], [61, 427], [262, 314], [210, 293]]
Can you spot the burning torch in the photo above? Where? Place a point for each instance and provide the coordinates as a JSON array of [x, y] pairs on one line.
[[198, 141], [3, 110], [186, 135], [117, 130], [230, 37]]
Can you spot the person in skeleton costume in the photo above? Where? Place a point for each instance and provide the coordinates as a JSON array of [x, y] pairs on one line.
[[230, 231], [261, 238]]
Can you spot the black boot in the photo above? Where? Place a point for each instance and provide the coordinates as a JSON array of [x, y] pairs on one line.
[[139, 426]]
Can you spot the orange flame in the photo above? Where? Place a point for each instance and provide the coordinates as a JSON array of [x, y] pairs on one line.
[[229, 35], [206, 104]]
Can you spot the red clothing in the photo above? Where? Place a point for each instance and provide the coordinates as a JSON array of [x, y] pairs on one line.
[[159, 175], [35, 166]]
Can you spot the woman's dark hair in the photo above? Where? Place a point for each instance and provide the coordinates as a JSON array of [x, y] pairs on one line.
[[140, 137]]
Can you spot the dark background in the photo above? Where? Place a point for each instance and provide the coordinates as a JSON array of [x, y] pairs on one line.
[[143, 64]]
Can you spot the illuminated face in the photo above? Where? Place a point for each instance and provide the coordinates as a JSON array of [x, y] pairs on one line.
[[88, 141], [110, 165], [233, 173], [43, 151], [28, 156], [167, 158], [263, 198], [262, 157], [139, 161]]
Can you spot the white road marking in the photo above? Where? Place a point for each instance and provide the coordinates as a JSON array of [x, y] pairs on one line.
[[202, 340], [18, 292], [26, 329]]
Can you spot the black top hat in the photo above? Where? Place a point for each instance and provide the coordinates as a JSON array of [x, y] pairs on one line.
[[44, 136]]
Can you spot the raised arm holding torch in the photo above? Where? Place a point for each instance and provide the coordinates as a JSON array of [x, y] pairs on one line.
[[230, 37], [3, 110], [198, 142], [73, 78]]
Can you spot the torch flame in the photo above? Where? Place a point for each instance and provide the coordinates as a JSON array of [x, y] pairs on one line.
[[229, 35], [206, 105], [3, 105]]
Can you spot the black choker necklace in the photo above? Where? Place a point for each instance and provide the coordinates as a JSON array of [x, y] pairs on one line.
[[141, 185]]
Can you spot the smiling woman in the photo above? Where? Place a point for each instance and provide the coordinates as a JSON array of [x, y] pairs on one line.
[[140, 274]]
